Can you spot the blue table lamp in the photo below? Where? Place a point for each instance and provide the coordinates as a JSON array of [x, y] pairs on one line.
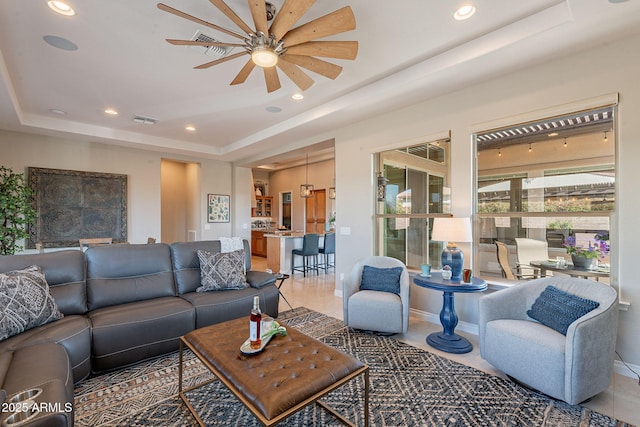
[[452, 230]]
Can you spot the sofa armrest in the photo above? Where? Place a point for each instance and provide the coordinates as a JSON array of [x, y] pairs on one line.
[[258, 279]]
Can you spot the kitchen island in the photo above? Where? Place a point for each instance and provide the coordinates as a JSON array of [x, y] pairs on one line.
[[279, 247]]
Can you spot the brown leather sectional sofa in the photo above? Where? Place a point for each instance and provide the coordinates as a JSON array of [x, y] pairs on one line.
[[121, 304]]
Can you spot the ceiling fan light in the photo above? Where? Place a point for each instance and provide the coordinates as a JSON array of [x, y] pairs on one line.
[[264, 57]]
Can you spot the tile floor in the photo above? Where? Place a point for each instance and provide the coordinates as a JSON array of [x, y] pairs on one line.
[[316, 292]]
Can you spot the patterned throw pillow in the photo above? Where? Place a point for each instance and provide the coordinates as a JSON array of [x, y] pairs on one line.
[[558, 309], [25, 301], [221, 271]]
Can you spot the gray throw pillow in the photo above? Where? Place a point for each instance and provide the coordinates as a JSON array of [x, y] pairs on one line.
[[221, 271], [25, 301]]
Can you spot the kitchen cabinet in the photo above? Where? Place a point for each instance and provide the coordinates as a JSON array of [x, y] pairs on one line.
[[264, 206], [258, 243]]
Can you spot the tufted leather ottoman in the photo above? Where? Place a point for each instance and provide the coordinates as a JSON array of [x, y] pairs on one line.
[[292, 371]]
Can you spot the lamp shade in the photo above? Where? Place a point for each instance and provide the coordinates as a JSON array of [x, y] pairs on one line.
[[452, 230]]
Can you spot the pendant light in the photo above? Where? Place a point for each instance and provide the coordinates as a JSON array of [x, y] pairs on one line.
[[306, 189]]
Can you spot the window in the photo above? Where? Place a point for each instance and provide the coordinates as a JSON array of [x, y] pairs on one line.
[[415, 192], [546, 180]]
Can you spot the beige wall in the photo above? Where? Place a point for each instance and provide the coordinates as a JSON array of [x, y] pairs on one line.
[[173, 201], [180, 207], [143, 169], [320, 175], [564, 81]]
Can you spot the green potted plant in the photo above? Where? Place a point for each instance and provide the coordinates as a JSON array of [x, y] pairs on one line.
[[16, 211]]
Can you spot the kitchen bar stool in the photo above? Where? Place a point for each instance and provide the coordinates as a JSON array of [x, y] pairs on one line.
[[329, 248], [309, 251]]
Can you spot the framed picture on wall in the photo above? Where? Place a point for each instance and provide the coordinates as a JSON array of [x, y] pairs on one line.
[[218, 209], [74, 205]]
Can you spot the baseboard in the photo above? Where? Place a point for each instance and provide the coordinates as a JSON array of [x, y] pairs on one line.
[[435, 318], [618, 367]]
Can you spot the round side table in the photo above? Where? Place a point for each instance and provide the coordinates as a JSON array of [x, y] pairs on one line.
[[447, 340]]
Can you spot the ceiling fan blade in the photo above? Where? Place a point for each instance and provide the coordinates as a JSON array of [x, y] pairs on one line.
[[220, 61], [259, 13], [181, 14], [289, 14], [222, 6], [326, 49], [198, 43], [271, 78], [333, 23], [241, 77], [299, 77], [316, 65]]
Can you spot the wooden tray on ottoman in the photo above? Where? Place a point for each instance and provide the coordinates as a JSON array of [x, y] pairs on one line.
[[292, 372]]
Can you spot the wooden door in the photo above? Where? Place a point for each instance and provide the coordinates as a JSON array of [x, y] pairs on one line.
[[316, 212]]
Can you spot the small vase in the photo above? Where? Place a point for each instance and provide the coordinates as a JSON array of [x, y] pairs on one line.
[[580, 261]]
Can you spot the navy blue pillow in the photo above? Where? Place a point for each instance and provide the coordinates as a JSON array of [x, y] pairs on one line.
[[558, 309], [381, 279]]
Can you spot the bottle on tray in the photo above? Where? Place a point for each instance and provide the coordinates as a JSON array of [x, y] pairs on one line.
[[254, 324]]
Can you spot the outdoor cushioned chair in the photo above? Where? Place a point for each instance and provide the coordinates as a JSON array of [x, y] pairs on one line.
[[377, 300], [572, 367], [502, 253], [528, 250]]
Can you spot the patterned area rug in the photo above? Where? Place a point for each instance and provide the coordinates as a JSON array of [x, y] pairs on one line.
[[409, 387]]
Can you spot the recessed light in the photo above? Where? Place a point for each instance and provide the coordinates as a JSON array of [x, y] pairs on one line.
[[56, 111], [552, 134], [60, 43], [111, 112], [297, 96], [464, 12], [273, 109], [61, 7], [190, 128]]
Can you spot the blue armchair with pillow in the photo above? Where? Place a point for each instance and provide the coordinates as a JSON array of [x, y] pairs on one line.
[[375, 296], [556, 335]]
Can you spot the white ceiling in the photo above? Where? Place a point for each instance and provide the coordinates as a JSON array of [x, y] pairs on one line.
[[409, 50]]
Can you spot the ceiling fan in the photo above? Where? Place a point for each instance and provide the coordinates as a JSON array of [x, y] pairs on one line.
[[279, 44]]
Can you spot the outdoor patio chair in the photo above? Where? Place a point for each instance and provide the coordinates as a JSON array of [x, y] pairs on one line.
[[528, 250]]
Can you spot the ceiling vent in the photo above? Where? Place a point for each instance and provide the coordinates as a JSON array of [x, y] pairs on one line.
[[145, 120], [216, 52]]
